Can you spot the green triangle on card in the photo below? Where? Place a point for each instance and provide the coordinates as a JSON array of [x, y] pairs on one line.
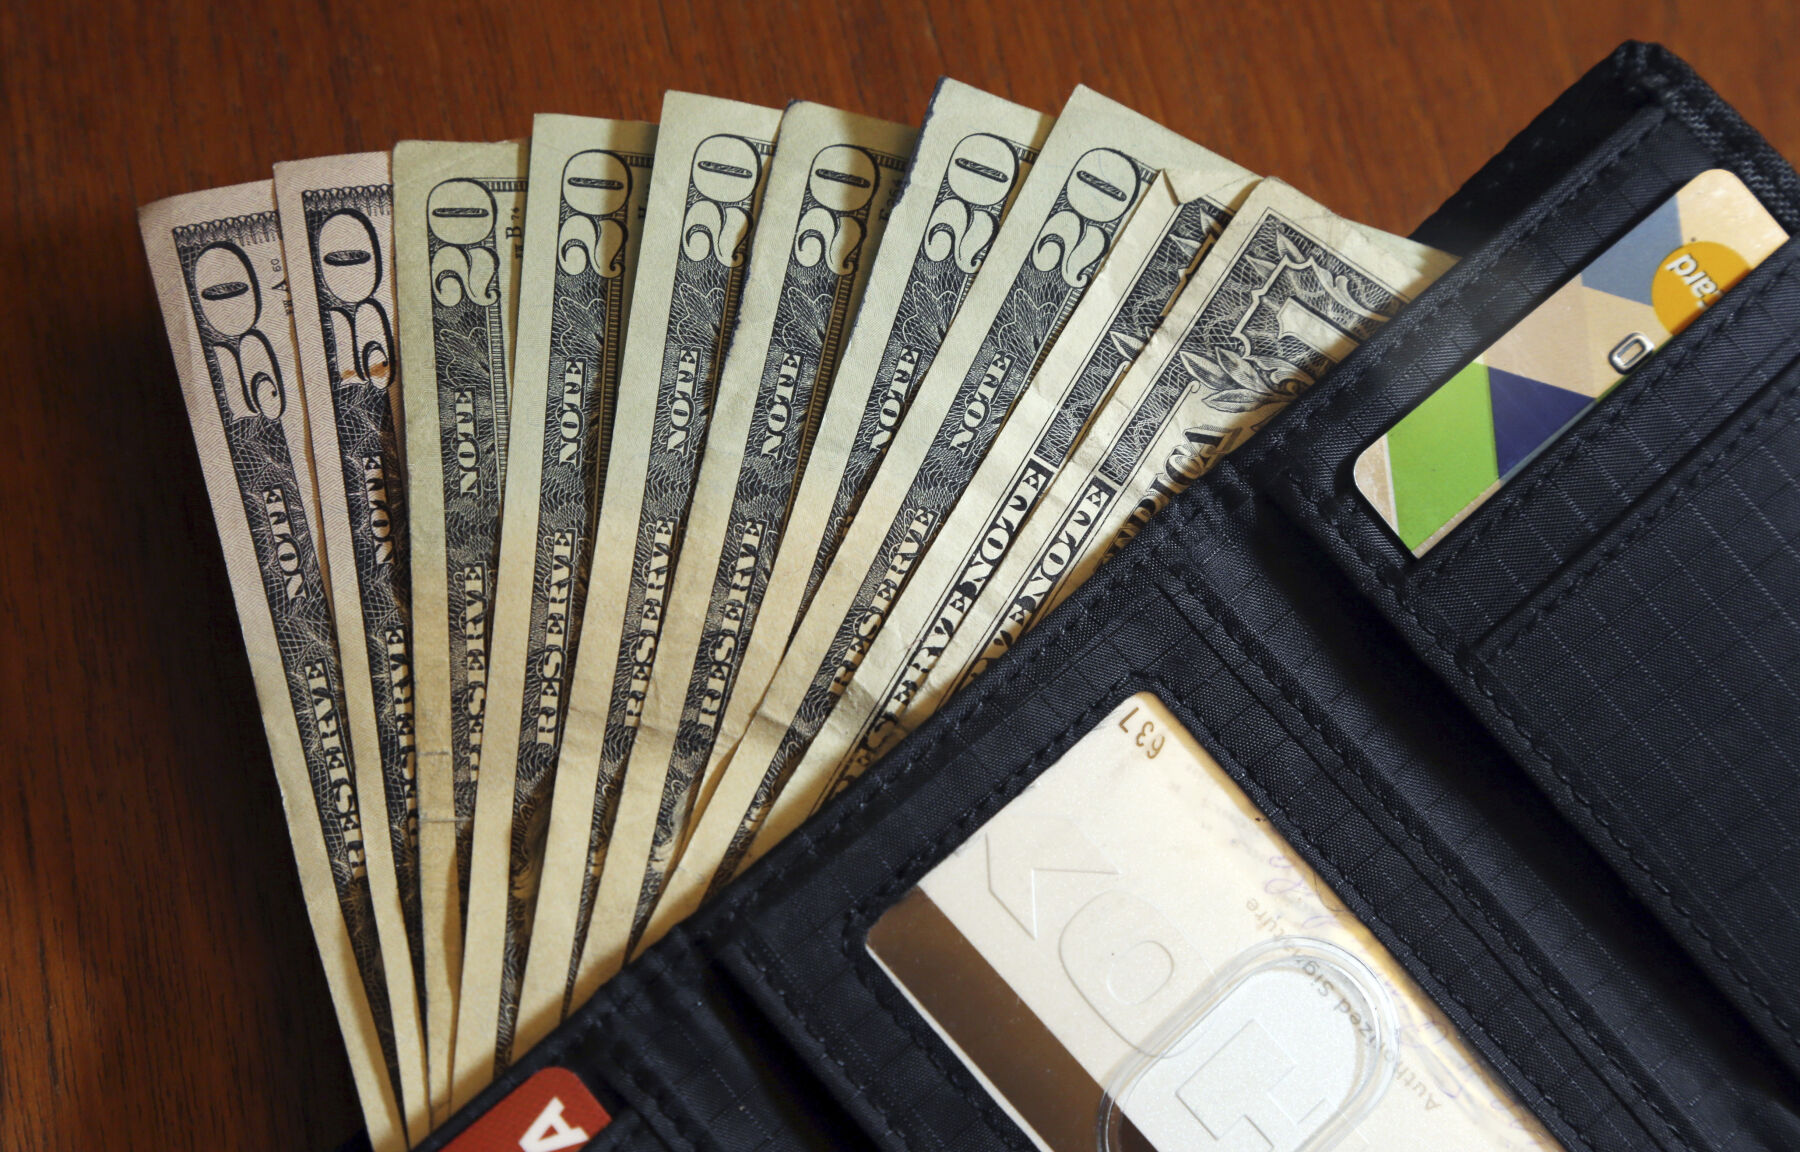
[[1441, 455]]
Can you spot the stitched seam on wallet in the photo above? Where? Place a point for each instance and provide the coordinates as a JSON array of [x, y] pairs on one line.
[[1668, 88], [1319, 721], [1576, 446], [598, 1013], [859, 911], [1463, 661], [1477, 675], [771, 882], [1672, 500], [809, 840], [830, 822], [960, 829]]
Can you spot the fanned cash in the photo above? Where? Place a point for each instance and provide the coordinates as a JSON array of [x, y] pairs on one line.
[[584, 214], [972, 155], [705, 191], [1098, 162], [1290, 290], [459, 219], [221, 277], [866, 416], [831, 183], [1149, 262]]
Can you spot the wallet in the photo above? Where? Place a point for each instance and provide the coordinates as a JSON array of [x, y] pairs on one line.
[[1553, 765]]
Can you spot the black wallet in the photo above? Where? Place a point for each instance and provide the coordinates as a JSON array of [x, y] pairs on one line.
[[1553, 766]]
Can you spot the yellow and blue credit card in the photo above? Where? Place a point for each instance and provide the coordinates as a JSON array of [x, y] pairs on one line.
[[1449, 455]]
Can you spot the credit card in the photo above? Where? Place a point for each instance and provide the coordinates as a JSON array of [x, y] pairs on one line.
[[1127, 956], [1448, 456]]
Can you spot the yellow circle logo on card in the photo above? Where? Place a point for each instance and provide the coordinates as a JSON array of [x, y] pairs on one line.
[[1689, 279]]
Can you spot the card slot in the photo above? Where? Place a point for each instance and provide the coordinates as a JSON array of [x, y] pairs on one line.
[[1669, 741], [1306, 457], [1543, 519], [1657, 685]]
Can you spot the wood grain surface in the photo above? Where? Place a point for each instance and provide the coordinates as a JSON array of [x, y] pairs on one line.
[[158, 984]]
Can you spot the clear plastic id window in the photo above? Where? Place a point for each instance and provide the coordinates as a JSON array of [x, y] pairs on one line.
[[1127, 956]]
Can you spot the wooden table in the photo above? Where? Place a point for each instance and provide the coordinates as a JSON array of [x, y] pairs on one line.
[[158, 985]]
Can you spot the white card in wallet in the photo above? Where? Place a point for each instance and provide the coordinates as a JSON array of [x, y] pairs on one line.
[[1127, 956]]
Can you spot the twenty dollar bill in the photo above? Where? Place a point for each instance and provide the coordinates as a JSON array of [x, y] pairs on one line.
[[1097, 164], [971, 158], [830, 186], [459, 215], [584, 215]]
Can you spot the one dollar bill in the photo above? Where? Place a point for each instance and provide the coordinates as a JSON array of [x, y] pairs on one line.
[[705, 191], [221, 276], [583, 224], [832, 181], [459, 217]]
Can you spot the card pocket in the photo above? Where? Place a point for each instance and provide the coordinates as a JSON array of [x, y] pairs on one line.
[[1623, 616], [1620, 614], [1561, 503], [1656, 683], [1543, 517]]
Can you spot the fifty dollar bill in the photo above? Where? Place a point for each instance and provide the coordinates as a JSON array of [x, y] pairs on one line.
[[337, 217]]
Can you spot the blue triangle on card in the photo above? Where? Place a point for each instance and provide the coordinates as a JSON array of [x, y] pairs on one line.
[[1628, 267], [1527, 415]]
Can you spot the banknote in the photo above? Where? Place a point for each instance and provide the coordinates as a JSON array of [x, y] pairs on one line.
[[459, 217], [971, 156], [1096, 165], [705, 190], [1288, 291], [1164, 243], [221, 277], [584, 215], [831, 184]]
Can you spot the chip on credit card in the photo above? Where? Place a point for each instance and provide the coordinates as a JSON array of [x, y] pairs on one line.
[[1448, 456], [1128, 957]]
